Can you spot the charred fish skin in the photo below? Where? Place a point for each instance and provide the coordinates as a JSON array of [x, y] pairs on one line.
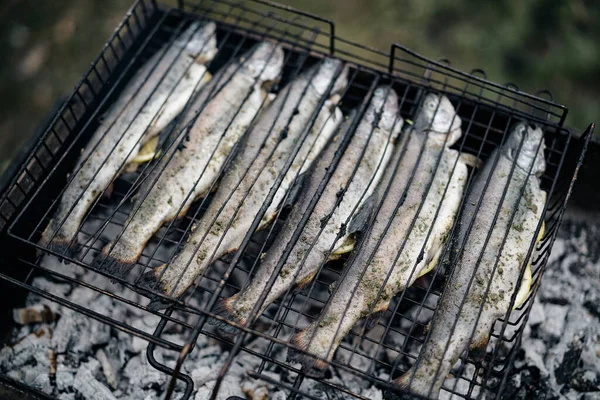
[[451, 326], [247, 183], [150, 101], [392, 255], [376, 134], [194, 167]]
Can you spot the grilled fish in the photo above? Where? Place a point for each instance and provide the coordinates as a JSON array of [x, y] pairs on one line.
[[494, 264], [152, 99], [324, 230], [393, 255], [247, 183], [196, 164]]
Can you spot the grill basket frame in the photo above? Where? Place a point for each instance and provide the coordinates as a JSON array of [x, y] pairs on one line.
[[308, 37]]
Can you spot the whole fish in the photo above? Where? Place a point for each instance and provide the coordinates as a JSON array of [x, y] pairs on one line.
[[375, 135], [392, 255], [152, 99], [247, 183], [196, 164], [524, 149]]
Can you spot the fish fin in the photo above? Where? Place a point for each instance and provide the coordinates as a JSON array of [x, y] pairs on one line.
[[403, 383], [431, 263], [375, 316], [226, 309], [478, 348], [524, 288], [313, 366], [471, 160], [109, 190], [346, 247], [360, 221], [147, 153], [301, 284], [294, 191]]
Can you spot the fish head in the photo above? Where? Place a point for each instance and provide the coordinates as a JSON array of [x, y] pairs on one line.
[[438, 117], [326, 71], [525, 145], [384, 105], [202, 45], [264, 62]]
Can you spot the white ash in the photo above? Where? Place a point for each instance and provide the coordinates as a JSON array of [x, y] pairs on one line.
[[560, 355], [560, 350], [95, 361]]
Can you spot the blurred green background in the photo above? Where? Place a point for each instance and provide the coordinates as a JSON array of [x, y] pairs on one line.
[[46, 45]]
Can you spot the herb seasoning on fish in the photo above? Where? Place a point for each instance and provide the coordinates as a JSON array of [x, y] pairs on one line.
[[152, 99], [195, 166], [389, 257], [247, 183], [375, 136], [454, 329]]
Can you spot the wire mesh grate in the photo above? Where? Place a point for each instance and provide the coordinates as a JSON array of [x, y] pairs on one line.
[[376, 355]]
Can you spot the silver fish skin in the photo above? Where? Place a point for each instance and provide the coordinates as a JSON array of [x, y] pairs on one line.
[[376, 134], [194, 167], [356, 295], [427, 377], [247, 182], [149, 102]]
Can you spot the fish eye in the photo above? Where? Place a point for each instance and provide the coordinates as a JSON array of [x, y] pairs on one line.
[[431, 105]]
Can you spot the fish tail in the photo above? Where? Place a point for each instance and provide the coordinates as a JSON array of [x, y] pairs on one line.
[[112, 263], [375, 316], [61, 243], [150, 281], [225, 308], [424, 380], [302, 283], [412, 386], [478, 348], [311, 364]]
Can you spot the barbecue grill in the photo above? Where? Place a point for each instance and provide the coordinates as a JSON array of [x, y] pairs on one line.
[[375, 357]]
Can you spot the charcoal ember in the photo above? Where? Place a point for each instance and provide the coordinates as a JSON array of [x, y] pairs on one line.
[[586, 381], [67, 396], [34, 314], [229, 387], [141, 374], [590, 356], [553, 327], [528, 384], [279, 395], [321, 390], [147, 323], [76, 333], [65, 373], [537, 314], [65, 376], [109, 369], [592, 302], [533, 356], [42, 383], [372, 393], [87, 384], [33, 348], [255, 389], [570, 359], [137, 393]]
